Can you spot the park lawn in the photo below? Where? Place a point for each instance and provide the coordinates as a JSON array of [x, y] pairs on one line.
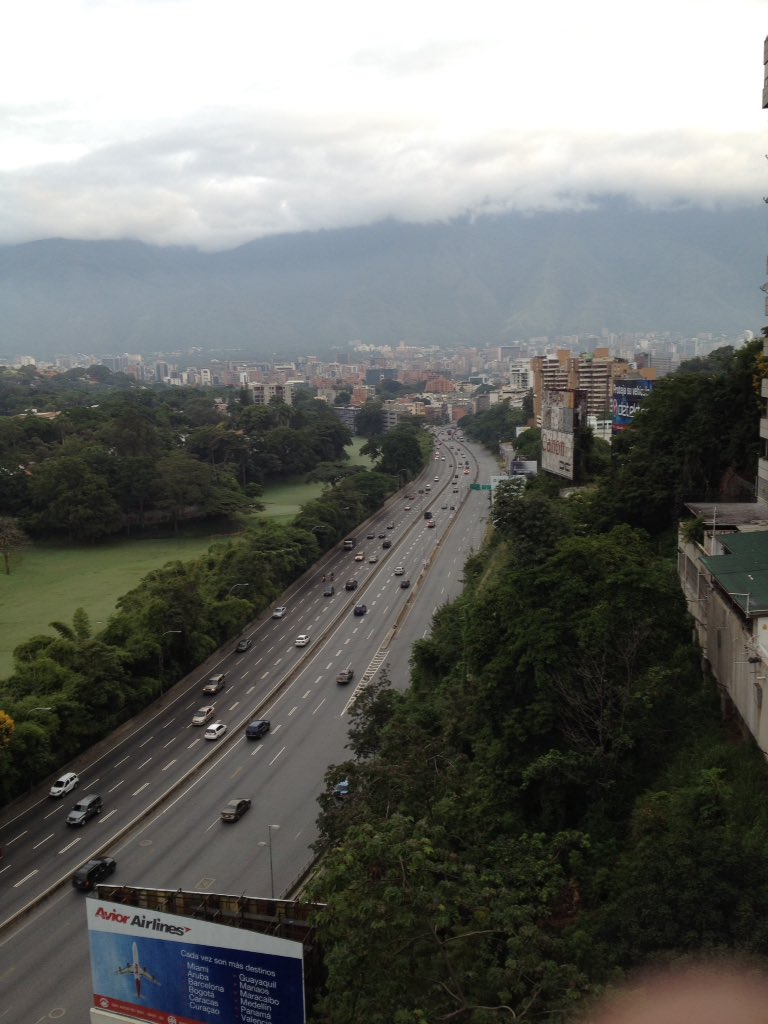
[[48, 583]]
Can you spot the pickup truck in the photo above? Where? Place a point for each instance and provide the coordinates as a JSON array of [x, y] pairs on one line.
[[346, 676]]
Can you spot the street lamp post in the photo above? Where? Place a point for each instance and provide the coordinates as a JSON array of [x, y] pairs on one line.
[[160, 657], [235, 586], [268, 844]]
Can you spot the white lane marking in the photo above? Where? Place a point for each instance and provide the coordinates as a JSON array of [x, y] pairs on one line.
[[277, 727], [166, 745], [70, 845], [330, 662], [294, 708], [146, 742], [26, 878], [319, 706], [250, 689], [276, 756], [244, 674], [17, 837], [370, 635], [193, 743], [35, 847], [305, 694], [140, 789], [169, 765], [106, 817], [54, 811], [258, 662], [279, 660], [233, 706], [265, 674], [318, 680], [116, 786], [126, 758], [258, 748], [169, 722], [144, 763], [346, 642]]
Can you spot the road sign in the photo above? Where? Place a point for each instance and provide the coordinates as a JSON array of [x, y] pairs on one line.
[[474, 487]]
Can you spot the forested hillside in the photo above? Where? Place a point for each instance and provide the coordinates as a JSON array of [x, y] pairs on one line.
[[555, 801]]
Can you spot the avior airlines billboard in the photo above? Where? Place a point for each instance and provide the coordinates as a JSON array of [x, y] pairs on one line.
[[167, 969]]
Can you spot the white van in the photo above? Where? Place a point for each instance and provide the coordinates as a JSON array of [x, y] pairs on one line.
[[64, 785]]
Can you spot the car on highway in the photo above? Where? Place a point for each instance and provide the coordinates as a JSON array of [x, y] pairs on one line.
[[345, 676], [85, 809], [361, 609], [203, 715], [444, 506], [404, 584], [390, 526], [328, 590], [399, 570], [455, 490], [466, 472], [215, 731], [371, 536], [216, 683], [257, 728], [387, 544], [437, 479], [407, 508], [350, 585], [93, 872], [234, 809], [301, 640], [64, 785], [373, 559], [279, 612], [360, 556], [382, 536], [431, 524], [453, 508], [244, 645]]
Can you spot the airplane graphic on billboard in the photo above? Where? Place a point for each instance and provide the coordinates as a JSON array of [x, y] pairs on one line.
[[137, 971]]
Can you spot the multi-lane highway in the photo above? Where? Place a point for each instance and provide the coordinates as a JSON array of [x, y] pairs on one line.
[[163, 784]]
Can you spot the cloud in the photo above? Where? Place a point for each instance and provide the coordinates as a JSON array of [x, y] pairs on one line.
[[189, 122]]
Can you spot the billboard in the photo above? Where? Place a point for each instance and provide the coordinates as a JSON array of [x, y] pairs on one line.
[[557, 452], [557, 410], [163, 968], [628, 396]]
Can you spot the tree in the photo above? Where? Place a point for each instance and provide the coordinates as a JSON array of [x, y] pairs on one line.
[[369, 421], [11, 537]]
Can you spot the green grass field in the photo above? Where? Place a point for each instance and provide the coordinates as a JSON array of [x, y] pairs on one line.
[[47, 583]]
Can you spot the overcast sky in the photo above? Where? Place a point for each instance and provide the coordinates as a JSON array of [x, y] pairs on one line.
[[213, 122]]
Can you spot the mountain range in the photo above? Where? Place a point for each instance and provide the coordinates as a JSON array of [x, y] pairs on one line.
[[476, 280]]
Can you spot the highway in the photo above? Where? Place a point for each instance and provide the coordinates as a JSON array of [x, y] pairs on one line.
[[163, 784]]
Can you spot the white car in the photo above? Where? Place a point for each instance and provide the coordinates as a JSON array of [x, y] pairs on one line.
[[302, 640], [373, 559], [360, 556], [437, 479], [203, 715], [64, 785], [407, 508], [399, 570], [215, 731], [279, 612]]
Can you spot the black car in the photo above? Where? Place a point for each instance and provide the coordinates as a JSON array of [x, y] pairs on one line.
[[387, 544], [404, 584], [350, 585], [371, 536], [235, 809], [256, 729], [90, 874], [244, 645], [361, 609], [382, 536]]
